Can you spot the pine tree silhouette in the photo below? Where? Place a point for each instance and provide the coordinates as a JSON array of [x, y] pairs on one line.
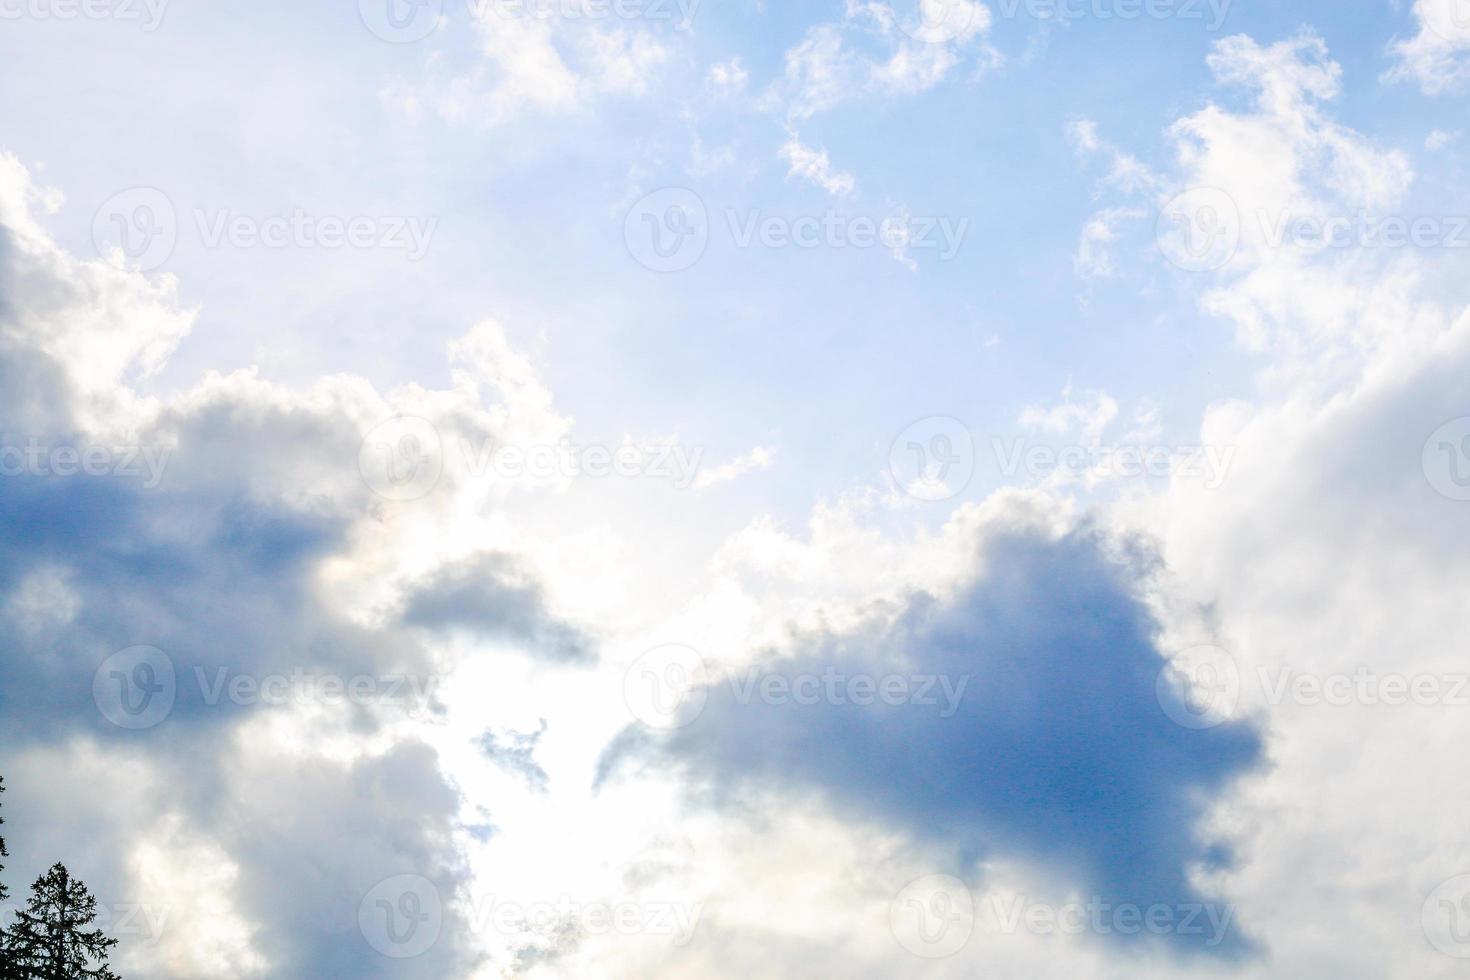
[[7, 963], [49, 940], [4, 892]]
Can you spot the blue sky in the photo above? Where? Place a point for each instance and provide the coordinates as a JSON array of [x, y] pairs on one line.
[[844, 458]]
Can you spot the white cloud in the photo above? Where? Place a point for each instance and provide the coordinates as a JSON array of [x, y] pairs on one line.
[[1438, 57], [816, 167], [531, 63], [759, 458]]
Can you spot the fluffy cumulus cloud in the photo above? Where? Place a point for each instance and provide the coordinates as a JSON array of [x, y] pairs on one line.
[[185, 578], [1020, 716], [291, 666], [1437, 57], [539, 57]]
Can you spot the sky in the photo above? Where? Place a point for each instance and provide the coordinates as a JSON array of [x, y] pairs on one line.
[[693, 488]]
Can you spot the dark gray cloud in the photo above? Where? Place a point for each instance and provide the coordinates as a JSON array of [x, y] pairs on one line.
[[217, 564], [1057, 752], [493, 595]]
